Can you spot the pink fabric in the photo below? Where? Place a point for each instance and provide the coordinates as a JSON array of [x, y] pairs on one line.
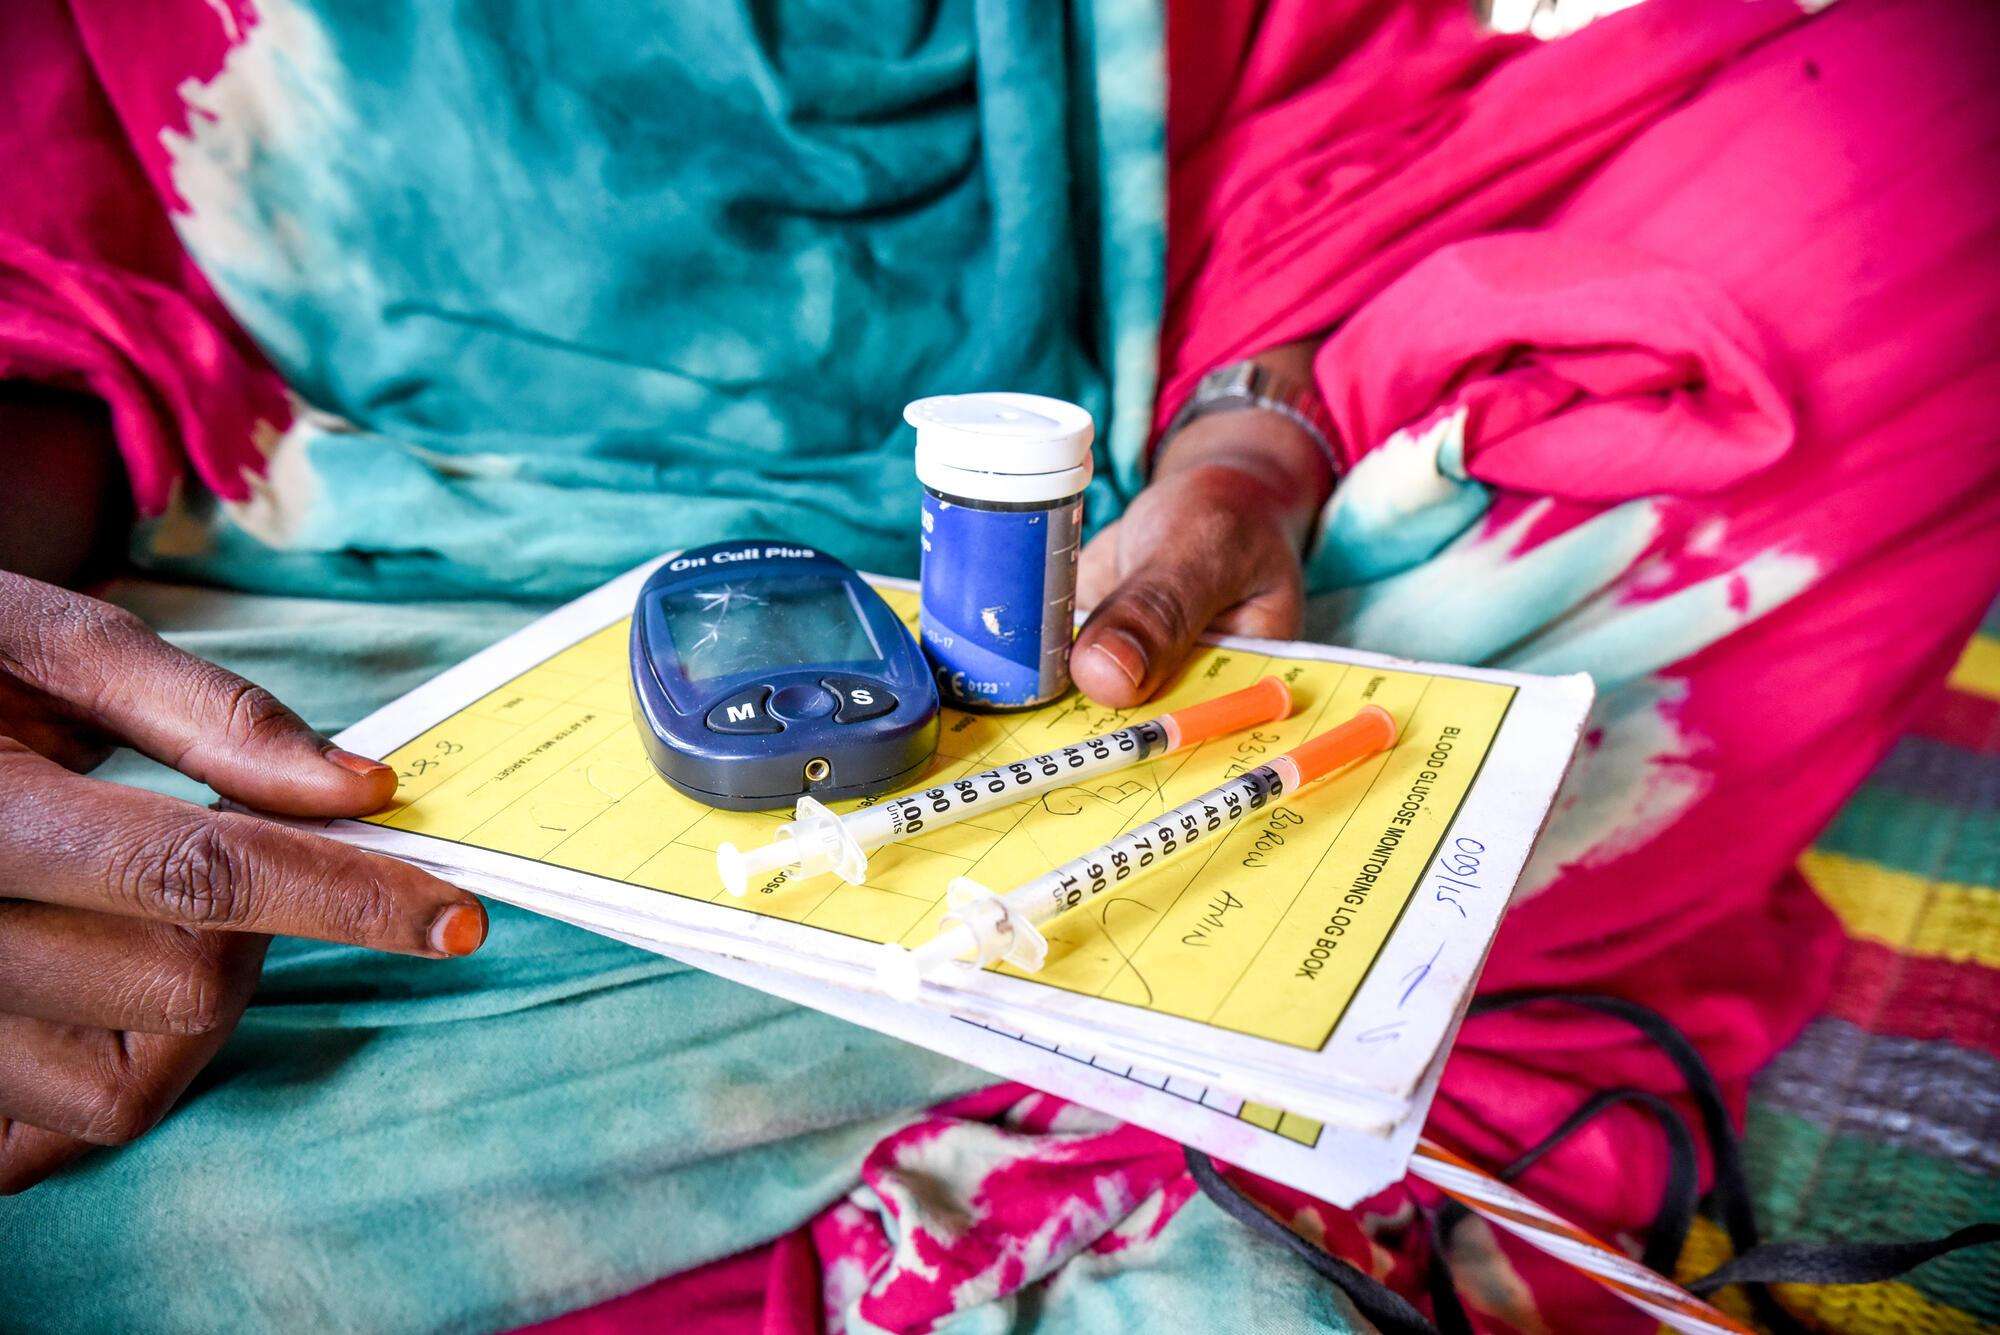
[[1714, 256], [769, 1290], [1717, 254], [903, 1250], [1558, 349], [96, 293], [1353, 137], [742, 1294]]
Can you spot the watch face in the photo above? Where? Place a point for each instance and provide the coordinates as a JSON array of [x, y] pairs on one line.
[[1237, 380], [1246, 384]]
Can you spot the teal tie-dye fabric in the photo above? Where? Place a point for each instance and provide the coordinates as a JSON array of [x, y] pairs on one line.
[[392, 1144], [562, 287], [559, 287]]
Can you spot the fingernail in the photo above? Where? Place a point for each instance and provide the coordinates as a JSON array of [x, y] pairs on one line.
[[459, 930], [1125, 653], [354, 764]]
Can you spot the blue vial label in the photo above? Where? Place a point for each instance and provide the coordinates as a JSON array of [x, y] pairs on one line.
[[999, 595]]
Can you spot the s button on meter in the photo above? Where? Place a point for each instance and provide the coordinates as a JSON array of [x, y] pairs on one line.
[[860, 699]]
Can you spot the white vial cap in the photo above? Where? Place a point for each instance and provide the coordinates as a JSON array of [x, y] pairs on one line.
[[998, 446]]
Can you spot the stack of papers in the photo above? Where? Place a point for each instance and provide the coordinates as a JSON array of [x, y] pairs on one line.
[[1284, 999]]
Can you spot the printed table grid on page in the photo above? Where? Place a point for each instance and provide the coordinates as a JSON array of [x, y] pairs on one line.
[[1290, 1125], [1269, 933]]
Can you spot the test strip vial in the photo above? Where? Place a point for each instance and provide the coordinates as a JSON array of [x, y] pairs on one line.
[[1003, 478]]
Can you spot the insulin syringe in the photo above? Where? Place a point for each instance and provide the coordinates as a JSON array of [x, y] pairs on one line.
[[816, 840], [981, 927]]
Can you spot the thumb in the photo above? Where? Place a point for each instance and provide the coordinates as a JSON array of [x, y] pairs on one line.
[[112, 671], [1143, 631]]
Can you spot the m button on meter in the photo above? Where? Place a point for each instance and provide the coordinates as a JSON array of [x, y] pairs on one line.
[[860, 698], [745, 712]]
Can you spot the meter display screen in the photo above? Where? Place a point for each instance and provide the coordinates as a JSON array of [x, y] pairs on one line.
[[770, 625]]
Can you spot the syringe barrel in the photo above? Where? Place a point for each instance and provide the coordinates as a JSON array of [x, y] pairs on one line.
[[1161, 839], [1201, 819], [978, 917], [1018, 780], [871, 826], [1264, 701], [818, 841]]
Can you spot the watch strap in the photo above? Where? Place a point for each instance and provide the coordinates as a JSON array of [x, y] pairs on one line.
[[1249, 384]]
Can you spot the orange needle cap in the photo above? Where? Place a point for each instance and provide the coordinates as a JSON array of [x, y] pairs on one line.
[[1264, 701], [1371, 730]]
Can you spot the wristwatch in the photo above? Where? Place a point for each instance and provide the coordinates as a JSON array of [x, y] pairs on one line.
[[1247, 384]]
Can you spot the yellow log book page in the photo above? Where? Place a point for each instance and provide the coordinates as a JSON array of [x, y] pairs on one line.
[[1265, 932]]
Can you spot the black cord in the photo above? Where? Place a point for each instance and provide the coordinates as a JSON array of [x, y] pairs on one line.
[[1756, 1265], [1379, 1304], [1678, 1197], [1731, 1193], [1732, 1189], [1446, 1305], [1840, 1262]]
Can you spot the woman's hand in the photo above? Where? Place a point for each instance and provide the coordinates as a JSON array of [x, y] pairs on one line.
[[132, 925], [1212, 542]]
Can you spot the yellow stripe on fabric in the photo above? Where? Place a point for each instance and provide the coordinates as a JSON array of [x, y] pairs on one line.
[[1858, 1308], [1909, 914], [1978, 670]]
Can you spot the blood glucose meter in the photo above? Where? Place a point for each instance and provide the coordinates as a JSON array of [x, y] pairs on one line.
[[763, 672]]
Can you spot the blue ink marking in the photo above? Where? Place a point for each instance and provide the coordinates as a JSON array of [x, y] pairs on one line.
[[1418, 974]]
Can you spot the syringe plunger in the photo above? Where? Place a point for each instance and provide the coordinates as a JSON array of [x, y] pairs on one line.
[[979, 929], [813, 841], [738, 866]]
